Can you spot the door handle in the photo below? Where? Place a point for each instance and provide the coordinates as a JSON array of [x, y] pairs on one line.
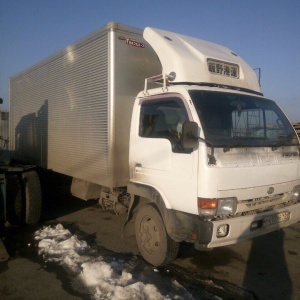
[[137, 166]]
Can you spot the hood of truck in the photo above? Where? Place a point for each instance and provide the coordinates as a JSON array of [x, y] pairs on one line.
[[193, 60], [248, 175]]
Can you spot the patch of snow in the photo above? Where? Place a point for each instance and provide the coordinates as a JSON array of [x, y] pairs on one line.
[[106, 280]]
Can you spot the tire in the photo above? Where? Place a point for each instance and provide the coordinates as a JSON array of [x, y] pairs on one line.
[[14, 200], [154, 243], [33, 196]]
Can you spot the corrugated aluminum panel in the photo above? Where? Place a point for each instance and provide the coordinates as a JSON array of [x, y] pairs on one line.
[[71, 113], [60, 109]]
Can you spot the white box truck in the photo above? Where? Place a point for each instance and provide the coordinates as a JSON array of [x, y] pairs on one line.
[[170, 129]]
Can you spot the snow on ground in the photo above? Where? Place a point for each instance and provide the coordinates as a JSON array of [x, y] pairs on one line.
[[105, 278]]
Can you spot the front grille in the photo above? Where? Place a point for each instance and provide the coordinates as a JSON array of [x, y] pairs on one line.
[[260, 205], [252, 203]]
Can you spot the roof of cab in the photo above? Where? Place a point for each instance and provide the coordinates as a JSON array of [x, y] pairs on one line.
[[192, 60]]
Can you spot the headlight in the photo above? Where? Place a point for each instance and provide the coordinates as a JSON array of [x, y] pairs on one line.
[[209, 207], [226, 206], [296, 192]]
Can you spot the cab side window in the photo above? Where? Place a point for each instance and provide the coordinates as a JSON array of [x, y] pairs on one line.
[[163, 119]]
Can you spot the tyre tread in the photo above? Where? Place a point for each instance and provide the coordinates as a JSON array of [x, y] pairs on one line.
[[33, 195], [172, 248]]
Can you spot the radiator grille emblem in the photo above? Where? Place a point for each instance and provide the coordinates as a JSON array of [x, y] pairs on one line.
[[270, 190]]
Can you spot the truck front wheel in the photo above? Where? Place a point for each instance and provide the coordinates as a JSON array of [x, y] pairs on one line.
[[153, 241]]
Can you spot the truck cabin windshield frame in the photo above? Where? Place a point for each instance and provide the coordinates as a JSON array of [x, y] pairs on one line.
[[237, 120]]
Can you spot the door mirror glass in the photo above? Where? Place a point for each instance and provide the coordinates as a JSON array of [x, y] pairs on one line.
[[189, 135]]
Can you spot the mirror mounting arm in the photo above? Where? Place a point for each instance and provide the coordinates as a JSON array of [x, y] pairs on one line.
[[211, 157], [190, 138]]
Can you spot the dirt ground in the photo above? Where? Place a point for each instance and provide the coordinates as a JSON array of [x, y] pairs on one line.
[[267, 267]]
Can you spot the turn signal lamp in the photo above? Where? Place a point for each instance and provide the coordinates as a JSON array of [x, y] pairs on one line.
[[207, 207], [194, 236], [204, 203]]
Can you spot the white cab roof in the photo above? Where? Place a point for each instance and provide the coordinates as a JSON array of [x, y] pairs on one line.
[[197, 61]]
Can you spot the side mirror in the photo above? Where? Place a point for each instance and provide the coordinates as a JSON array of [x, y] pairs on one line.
[[1, 101], [189, 135]]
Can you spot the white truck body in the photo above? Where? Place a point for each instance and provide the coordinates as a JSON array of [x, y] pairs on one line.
[[217, 161]]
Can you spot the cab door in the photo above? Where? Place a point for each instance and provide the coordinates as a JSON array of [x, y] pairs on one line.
[[157, 157]]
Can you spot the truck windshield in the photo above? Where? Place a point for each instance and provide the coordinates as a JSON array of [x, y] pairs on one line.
[[235, 120]]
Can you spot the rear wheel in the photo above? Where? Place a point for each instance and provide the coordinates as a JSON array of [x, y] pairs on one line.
[[33, 196], [14, 200], [24, 198], [153, 241]]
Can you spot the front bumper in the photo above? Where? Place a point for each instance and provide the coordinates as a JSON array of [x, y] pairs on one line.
[[240, 227]]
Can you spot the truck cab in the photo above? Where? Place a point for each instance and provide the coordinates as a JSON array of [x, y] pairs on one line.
[[217, 160]]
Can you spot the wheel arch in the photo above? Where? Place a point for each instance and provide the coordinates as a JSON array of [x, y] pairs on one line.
[[180, 226], [143, 195]]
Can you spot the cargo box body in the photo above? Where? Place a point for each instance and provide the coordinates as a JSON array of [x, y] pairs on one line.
[[71, 112]]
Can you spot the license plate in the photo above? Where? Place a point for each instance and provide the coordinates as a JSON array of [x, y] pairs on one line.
[[276, 218]]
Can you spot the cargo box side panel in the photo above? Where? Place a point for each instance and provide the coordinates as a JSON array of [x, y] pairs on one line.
[[59, 112], [134, 60]]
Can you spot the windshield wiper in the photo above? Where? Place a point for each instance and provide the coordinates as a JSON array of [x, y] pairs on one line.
[[228, 147], [274, 145], [238, 144], [211, 157], [250, 138], [280, 143]]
